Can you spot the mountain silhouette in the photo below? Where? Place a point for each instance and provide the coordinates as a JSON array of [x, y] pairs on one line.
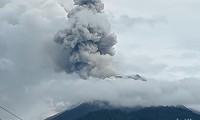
[[99, 110]]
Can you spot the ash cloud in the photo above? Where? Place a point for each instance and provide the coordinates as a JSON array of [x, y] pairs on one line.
[[87, 43]]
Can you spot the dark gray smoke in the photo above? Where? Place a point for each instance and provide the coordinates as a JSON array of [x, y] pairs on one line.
[[87, 43]]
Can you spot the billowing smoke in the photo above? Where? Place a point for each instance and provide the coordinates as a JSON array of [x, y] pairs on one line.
[[87, 43]]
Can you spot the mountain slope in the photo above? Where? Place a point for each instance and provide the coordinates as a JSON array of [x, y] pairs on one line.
[[81, 110], [103, 111], [150, 113]]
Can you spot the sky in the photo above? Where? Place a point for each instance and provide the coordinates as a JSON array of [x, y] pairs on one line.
[[157, 39]]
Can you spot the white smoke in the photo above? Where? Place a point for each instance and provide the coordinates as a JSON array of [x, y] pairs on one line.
[[87, 43]]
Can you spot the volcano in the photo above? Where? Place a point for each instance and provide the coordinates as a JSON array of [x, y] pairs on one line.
[[99, 110]]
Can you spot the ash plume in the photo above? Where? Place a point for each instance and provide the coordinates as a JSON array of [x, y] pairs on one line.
[[87, 43]]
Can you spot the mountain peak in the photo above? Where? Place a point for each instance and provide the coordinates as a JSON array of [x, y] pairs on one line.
[[134, 77]]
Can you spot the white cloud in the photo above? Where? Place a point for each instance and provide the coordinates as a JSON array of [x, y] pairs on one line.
[[124, 92], [125, 23], [165, 43], [6, 65], [26, 27]]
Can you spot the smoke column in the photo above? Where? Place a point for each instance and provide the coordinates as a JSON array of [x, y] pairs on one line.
[[87, 43]]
